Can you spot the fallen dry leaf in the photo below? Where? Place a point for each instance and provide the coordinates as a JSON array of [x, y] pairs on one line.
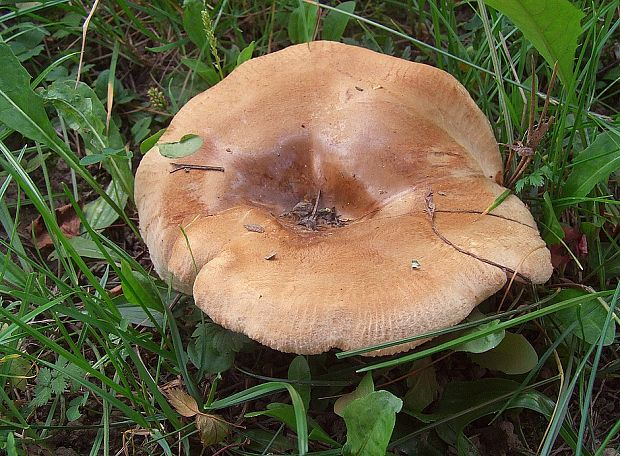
[[68, 221], [212, 429], [182, 402]]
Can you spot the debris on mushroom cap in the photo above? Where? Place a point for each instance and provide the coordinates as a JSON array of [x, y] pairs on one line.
[[411, 167]]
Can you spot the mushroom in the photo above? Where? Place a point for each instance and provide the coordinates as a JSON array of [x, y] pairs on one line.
[[397, 150]]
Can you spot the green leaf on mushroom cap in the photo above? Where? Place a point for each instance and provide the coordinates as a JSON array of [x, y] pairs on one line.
[[186, 146]]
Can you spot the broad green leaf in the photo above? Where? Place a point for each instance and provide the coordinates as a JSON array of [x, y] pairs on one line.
[[590, 314], [83, 111], [99, 214], [284, 413], [207, 359], [140, 130], [593, 165], [553, 232], [370, 421], [483, 397], [514, 355], [28, 41], [485, 343], [423, 386], [223, 339], [365, 387], [186, 146], [192, 22], [302, 22], [299, 370], [92, 159], [137, 316], [552, 26], [150, 142], [86, 248], [21, 109], [246, 53], [18, 369], [336, 22], [138, 289]]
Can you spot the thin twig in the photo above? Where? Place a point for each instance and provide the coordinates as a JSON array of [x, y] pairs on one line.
[[468, 211], [548, 97], [232, 445], [533, 104], [430, 209], [187, 167], [316, 204]]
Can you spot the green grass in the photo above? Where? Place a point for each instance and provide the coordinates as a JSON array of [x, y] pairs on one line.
[[92, 343]]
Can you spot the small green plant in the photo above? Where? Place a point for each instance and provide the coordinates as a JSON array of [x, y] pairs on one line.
[[54, 381]]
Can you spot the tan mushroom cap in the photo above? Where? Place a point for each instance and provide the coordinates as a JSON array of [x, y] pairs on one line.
[[375, 135]]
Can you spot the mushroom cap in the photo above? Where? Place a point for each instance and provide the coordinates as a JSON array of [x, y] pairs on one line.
[[376, 135]]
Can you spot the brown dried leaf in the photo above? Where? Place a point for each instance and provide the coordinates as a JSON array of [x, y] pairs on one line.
[[521, 150], [539, 133], [212, 429], [182, 402], [68, 221]]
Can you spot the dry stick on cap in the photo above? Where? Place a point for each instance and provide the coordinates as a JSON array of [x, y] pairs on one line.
[[374, 154], [430, 209], [187, 167]]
